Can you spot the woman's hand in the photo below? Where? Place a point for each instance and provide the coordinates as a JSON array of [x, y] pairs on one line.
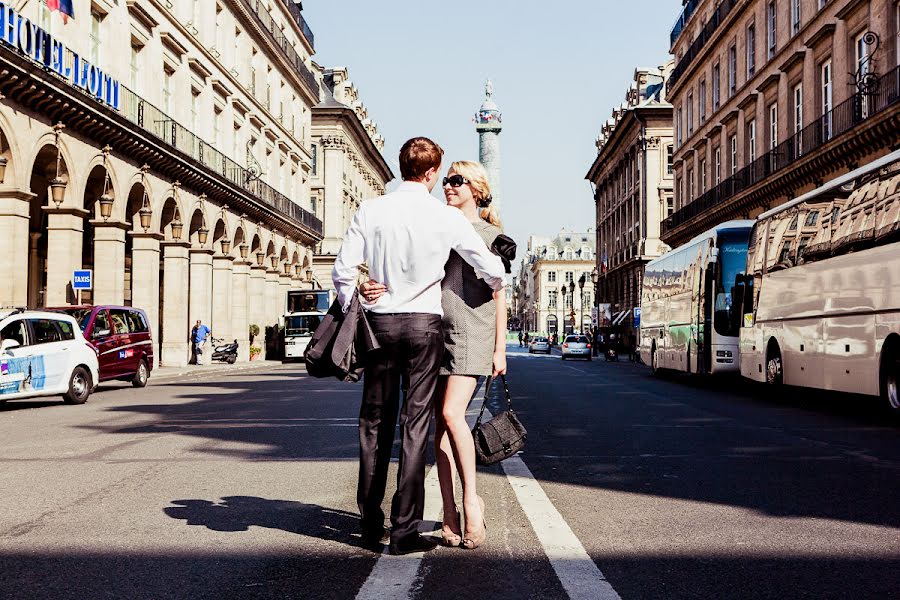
[[371, 291], [499, 363]]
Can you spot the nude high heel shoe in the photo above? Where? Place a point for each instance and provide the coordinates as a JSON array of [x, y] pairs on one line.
[[448, 538], [474, 540]]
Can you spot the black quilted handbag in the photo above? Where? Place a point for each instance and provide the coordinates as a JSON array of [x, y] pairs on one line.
[[502, 436]]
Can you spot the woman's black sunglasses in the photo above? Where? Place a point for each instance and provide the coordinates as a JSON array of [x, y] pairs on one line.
[[455, 180]]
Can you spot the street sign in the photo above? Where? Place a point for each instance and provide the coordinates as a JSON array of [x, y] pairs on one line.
[[83, 279], [637, 316]]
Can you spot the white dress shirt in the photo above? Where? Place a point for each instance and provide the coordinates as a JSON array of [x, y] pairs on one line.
[[405, 238]]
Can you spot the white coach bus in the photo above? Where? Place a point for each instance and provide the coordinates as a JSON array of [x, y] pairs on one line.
[[690, 320], [824, 307]]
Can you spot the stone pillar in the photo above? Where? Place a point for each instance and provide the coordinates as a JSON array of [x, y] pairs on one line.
[[334, 221], [256, 297], [222, 297], [14, 244], [284, 285], [145, 280], [175, 329], [35, 272], [270, 316], [109, 262], [65, 227], [240, 308], [200, 293]]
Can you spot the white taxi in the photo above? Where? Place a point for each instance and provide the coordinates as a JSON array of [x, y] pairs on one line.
[[45, 354]]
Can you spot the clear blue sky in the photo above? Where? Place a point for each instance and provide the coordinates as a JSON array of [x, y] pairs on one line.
[[558, 70]]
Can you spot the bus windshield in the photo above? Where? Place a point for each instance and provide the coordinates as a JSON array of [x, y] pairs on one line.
[[301, 325], [308, 301], [732, 262]]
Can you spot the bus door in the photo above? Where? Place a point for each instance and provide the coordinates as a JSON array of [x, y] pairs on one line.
[[708, 288]]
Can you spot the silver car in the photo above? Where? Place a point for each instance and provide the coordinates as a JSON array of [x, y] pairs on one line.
[[576, 346], [539, 344]]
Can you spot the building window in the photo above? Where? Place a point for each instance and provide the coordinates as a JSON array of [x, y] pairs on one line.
[[195, 96], [751, 50], [95, 37], [690, 113], [217, 127], [751, 140], [732, 143], [862, 69], [702, 175], [167, 92], [701, 101], [670, 160], [717, 165], [795, 17], [670, 206], [678, 121], [690, 184], [826, 99], [551, 276], [732, 71], [772, 25], [135, 67], [570, 277], [716, 86], [552, 299], [798, 107], [773, 125], [314, 150]]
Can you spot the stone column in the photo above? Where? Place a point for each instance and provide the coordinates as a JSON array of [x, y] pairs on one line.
[[256, 297], [175, 331], [334, 223], [284, 284], [200, 293], [14, 244], [65, 227], [109, 262], [222, 297], [240, 308], [270, 317], [35, 272], [145, 280]]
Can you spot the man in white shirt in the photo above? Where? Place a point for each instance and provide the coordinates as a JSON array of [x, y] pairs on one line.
[[405, 238]]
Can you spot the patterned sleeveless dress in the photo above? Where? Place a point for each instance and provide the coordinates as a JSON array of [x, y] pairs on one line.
[[470, 325]]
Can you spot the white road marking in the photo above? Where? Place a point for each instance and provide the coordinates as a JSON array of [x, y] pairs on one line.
[[576, 570]]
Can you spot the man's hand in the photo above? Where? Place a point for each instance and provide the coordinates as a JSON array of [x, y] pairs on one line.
[[371, 291], [499, 363]]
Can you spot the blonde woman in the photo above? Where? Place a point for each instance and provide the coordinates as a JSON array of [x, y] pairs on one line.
[[474, 325]]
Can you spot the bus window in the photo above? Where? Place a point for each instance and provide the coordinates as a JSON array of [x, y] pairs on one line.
[[732, 262], [301, 324]]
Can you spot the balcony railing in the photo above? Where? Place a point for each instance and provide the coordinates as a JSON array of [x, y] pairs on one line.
[[304, 27], [160, 125], [683, 18], [844, 117], [716, 19], [264, 19]]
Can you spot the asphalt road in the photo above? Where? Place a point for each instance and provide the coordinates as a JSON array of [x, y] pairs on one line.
[[243, 486]]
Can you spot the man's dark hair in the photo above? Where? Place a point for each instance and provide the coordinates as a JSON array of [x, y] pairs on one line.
[[417, 156]]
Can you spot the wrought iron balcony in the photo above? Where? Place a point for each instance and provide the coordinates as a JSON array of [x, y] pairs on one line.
[[159, 124], [304, 26], [683, 18], [718, 16], [258, 10], [843, 118]]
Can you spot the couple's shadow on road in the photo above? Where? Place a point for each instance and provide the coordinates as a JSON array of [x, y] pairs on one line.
[[239, 513]]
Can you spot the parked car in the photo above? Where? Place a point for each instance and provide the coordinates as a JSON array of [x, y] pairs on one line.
[[43, 354], [539, 344], [576, 346], [121, 335]]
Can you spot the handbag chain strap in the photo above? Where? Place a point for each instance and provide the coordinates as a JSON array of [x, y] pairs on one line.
[[487, 391]]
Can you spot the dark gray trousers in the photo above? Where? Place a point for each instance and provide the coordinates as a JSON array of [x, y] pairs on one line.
[[412, 346]]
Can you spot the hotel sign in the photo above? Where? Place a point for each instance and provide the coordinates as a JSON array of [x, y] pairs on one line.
[[41, 47]]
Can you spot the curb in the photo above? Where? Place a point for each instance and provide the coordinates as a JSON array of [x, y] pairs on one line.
[[193, 371]]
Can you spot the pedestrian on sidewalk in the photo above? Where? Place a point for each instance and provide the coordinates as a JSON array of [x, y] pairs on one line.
[[406, 238], [520, 338], [199, 334], [474, 325]]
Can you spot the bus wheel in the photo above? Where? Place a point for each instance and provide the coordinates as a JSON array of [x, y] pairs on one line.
[[891, 382], [774, 365]]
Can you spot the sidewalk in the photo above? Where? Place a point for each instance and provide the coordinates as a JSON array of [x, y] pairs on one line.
[[217, 367]]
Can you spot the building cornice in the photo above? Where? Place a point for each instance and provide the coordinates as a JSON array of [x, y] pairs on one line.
[[345, 118], [623, 134]]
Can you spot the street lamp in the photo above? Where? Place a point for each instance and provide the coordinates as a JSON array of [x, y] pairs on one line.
[[106, 199], [203, 232], [146, 212], [58, 184], [581, 301], [572, 308]]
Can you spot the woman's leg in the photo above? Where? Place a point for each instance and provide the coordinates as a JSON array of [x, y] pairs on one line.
[[443, 454], [459, 389]]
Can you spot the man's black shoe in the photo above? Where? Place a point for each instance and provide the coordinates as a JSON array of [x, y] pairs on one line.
[[375, 538], [412, 544]]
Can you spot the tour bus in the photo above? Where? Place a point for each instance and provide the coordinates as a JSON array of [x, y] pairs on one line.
[[689, 319], [305, 309], [824, 280]]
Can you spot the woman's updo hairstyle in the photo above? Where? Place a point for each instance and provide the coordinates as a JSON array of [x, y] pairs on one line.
[[481, 189]]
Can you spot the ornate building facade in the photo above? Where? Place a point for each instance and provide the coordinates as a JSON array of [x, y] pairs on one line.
[[553, 291], [348, 167], [165, 147], [632, 180], [772, 98]]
